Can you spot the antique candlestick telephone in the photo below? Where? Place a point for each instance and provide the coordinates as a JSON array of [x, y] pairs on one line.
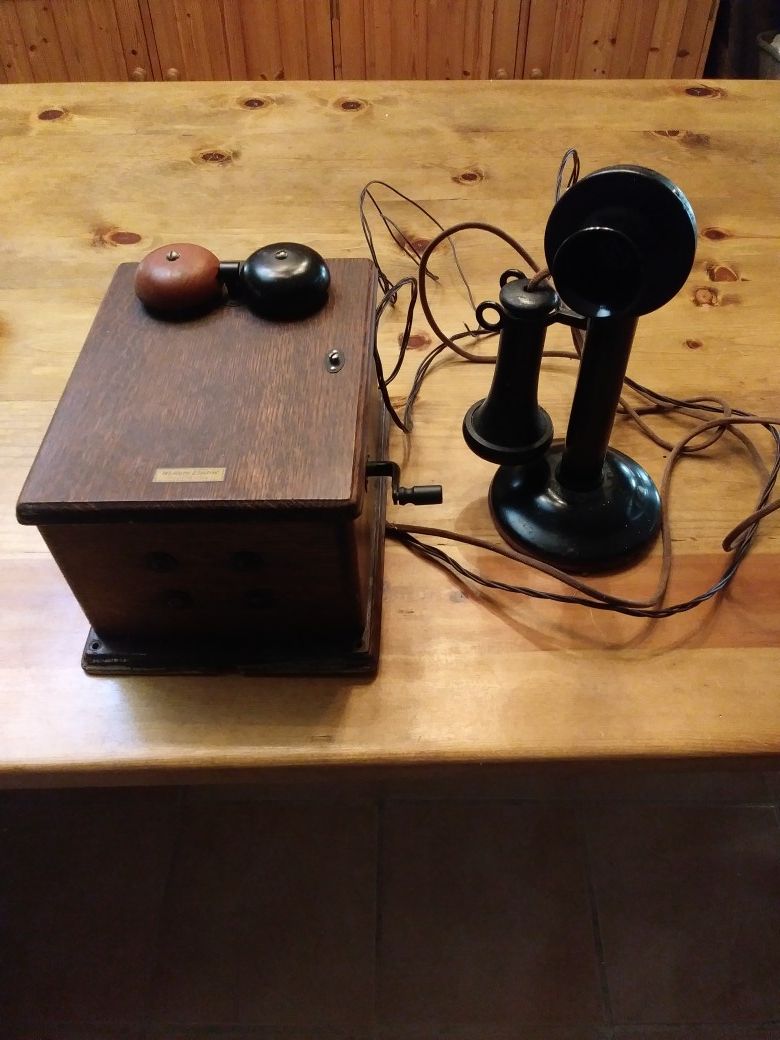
[[618, 244]]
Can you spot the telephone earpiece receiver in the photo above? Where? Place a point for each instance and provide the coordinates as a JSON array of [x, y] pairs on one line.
[[283, 281]]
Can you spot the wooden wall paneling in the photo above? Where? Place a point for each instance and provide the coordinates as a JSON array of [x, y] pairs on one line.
[[665, 40], [306, 40], [537, 57], [694, 39], [445, 38], [394, 38], [419, 36], [151, 40], [90, 40], [477, 39], [598, 38], [202, 33], [408, 39], [707, 39], [634, 34], [234, 39], [384, 60], [42, 41], [14, 55], [507, 15], [291, 16], [136, 51], [165, 29], [349, 39], [522, 38], [566, 39], [262, 45], [319, 38]]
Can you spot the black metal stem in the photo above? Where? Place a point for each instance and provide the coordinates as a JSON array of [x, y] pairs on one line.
[[596, 396]]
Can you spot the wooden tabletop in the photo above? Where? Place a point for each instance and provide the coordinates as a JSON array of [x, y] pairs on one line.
[[94, 175]]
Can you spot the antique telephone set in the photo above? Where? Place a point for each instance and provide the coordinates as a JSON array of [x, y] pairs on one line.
[[199, 539], [619, 244]]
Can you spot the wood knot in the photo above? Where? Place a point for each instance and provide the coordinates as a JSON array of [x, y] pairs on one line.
[[706, 297], [124, 238], [695, 140], [693, 344], [715, 234], [112, 236], [217, 156], [687, 137], [351, 104], [52, 113], [721, 272], [417, 341], [472, 176], [254, 102], [421, 244], [702, 91]]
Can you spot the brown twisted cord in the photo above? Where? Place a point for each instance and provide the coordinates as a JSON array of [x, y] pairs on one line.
[[443, 236]]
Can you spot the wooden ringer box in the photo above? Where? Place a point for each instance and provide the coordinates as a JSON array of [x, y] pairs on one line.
[[202, 486]]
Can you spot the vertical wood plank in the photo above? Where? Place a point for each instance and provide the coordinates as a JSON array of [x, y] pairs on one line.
[[135, 49], [90, 40], [707, 40], [477, 39], [202, 34], [566, 39], [665, 40], [393, 40], [261, 39], [349, 28], [42, 41], [151, 42], [598, 37], [634, 34], [445, 39], [319, 39], [291, 15], [504, 37], [166, 35], [691, 50], [234, 39], [420, 39], [109, 57], [537, 59], [522, 38], [388, 55], [13, 49]]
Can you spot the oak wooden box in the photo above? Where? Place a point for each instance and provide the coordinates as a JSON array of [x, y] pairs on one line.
[[202, 486]]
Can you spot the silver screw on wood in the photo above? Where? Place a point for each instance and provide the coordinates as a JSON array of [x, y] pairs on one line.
[[173, 255]]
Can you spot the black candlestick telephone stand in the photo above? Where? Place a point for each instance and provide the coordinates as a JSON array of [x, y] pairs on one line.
[[618, 244]]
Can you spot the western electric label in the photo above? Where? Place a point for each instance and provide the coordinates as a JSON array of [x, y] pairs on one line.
[[188, 475]]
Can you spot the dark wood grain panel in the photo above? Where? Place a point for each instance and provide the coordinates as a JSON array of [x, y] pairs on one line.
[[228, 390]]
